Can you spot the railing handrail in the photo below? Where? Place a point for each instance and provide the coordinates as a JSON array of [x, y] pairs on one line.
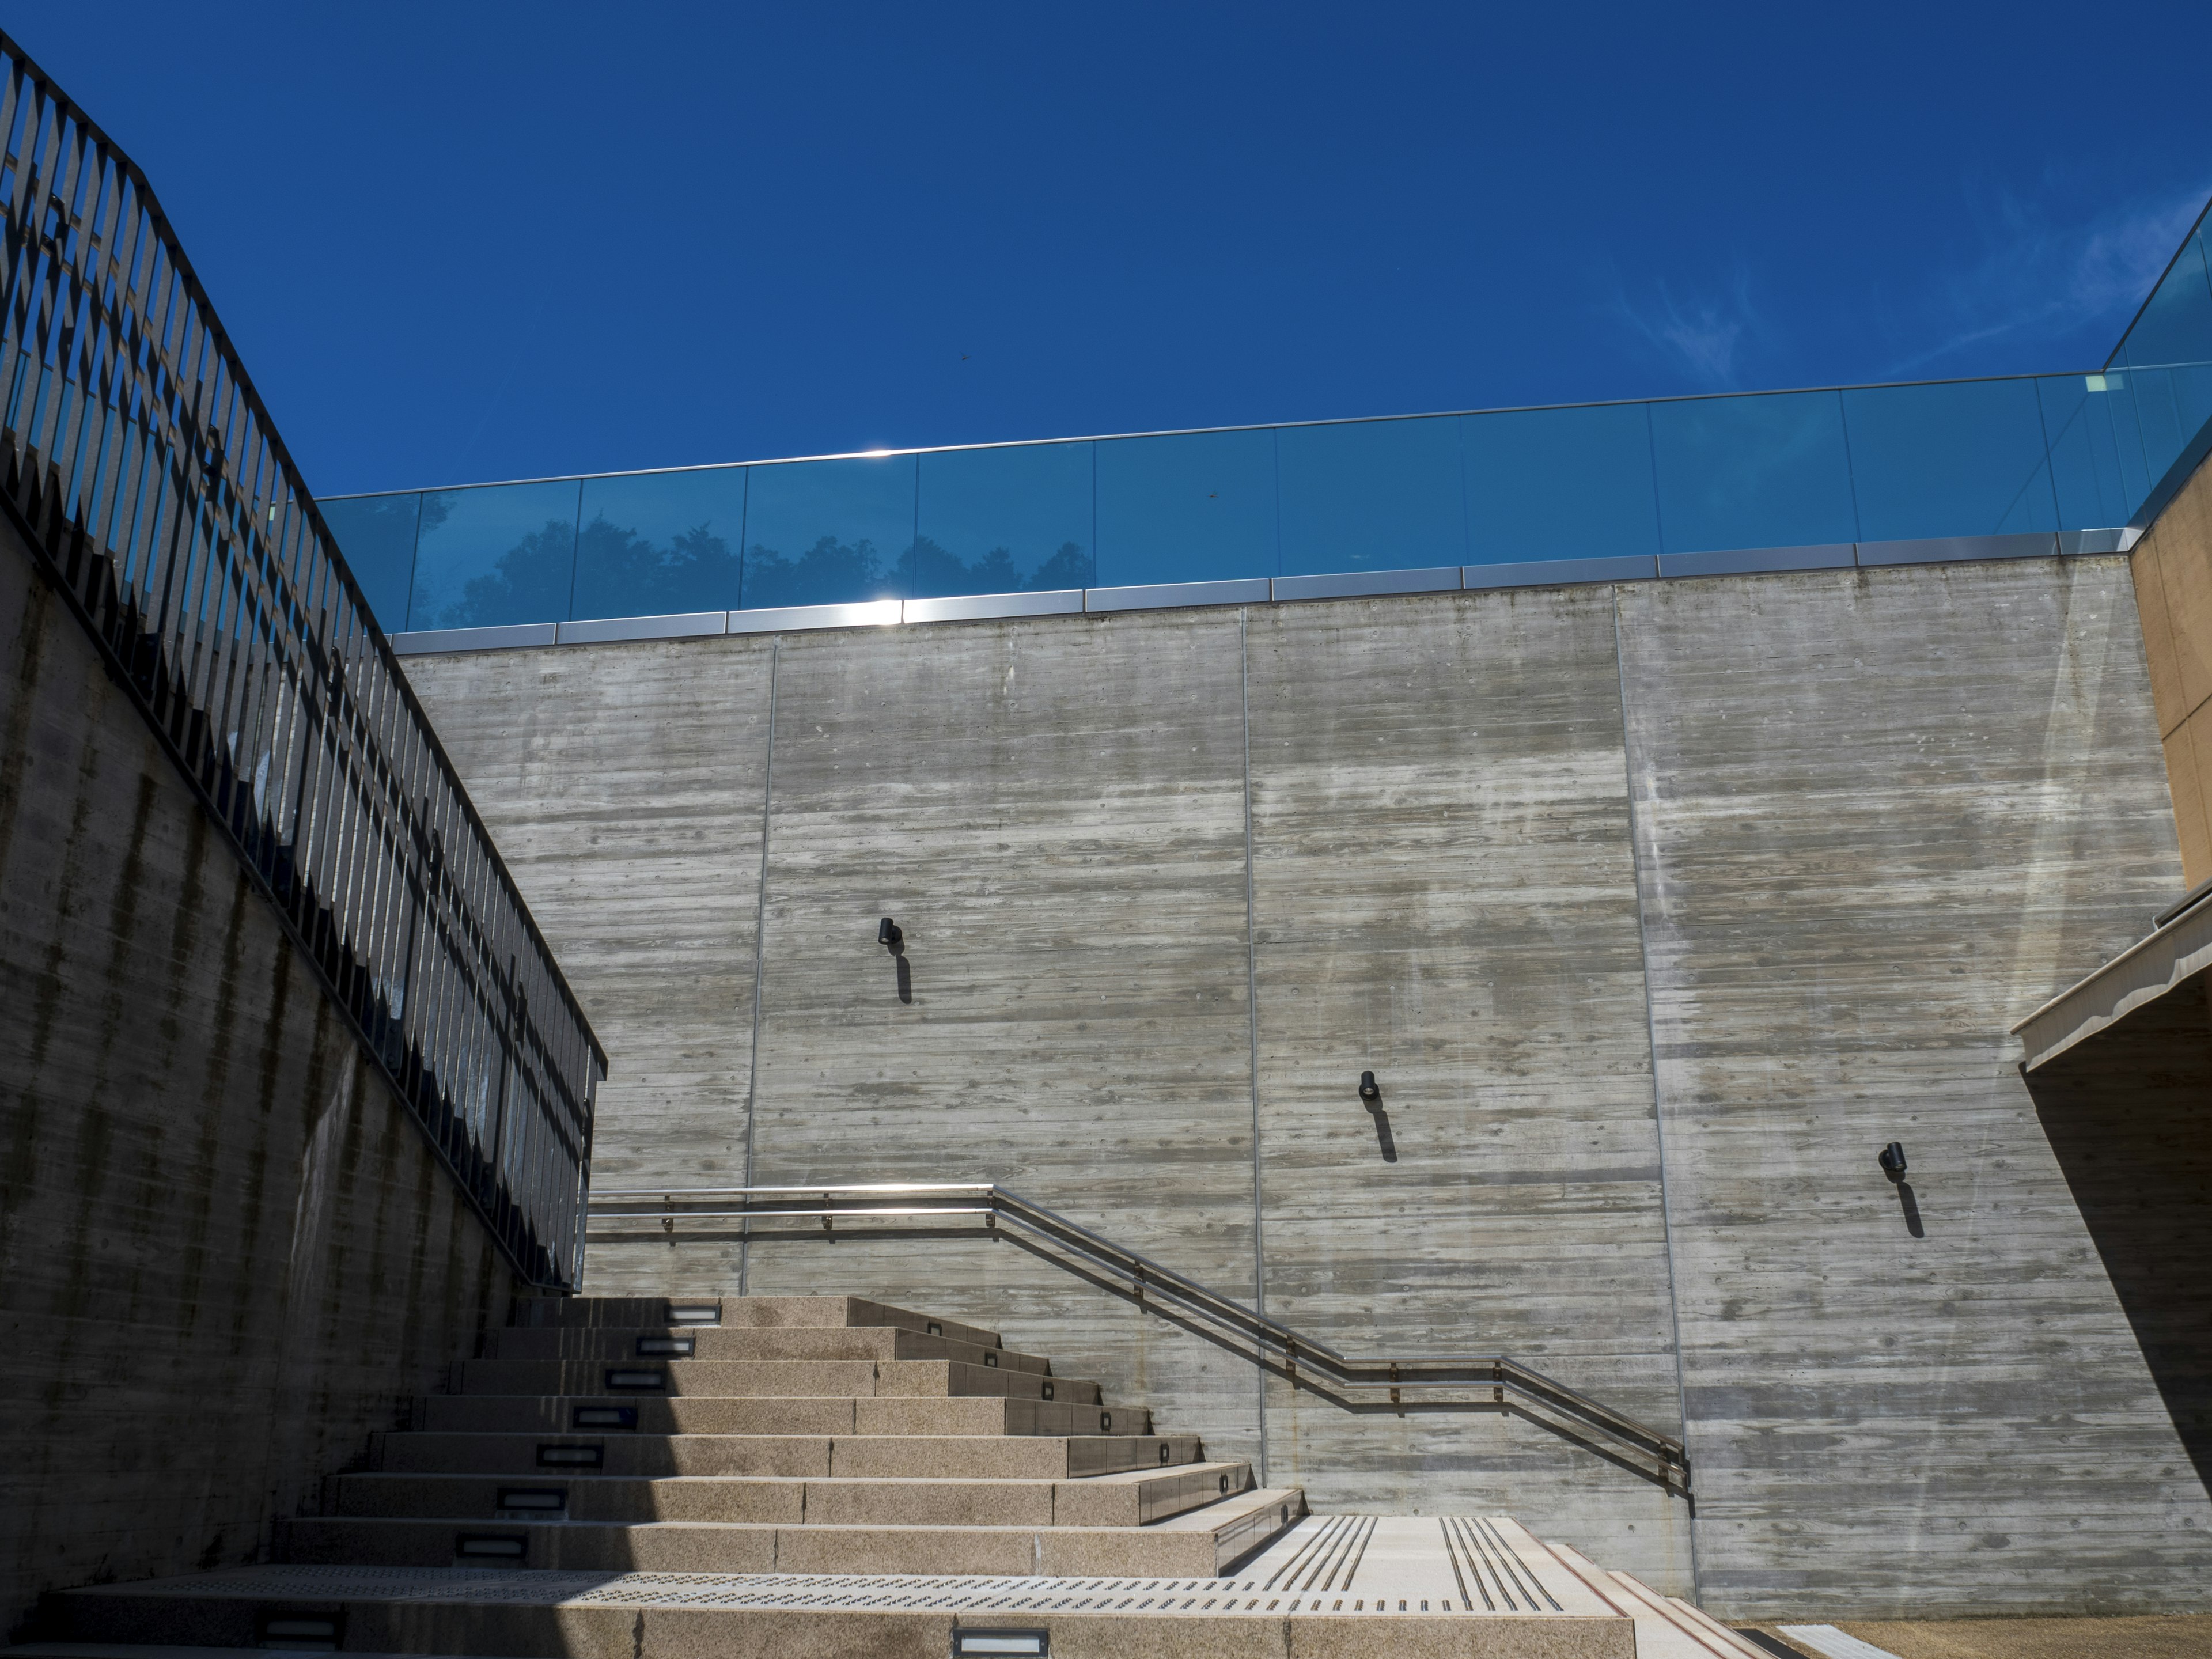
[[143, 472], [1270, 1337]]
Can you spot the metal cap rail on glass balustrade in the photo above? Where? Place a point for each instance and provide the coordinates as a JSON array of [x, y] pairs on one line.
[[147, 480], [1479, 1381]]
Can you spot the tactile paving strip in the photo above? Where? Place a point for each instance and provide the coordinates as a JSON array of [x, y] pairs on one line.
[[1308, 1573]]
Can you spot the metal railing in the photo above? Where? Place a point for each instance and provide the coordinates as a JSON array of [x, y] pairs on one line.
[[144, 474], [1476, 1381]]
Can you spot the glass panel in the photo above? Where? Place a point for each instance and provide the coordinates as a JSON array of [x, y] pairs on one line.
[[376, 537], [2167, 360], [1560, 483], [1757, 471], [1372, 496], [1194, 507], [491, 556], [1003, 520], [1964, 459], [2098, 476], [829, 533], [660, 544]]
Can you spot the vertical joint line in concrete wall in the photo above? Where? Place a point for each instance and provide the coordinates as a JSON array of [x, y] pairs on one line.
[[1252, 1013], [1652, 1041], [760, 939]]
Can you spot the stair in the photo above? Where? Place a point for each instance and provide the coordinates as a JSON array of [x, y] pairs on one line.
[[638, 1477]]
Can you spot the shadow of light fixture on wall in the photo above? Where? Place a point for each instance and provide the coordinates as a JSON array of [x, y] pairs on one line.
[[1370, 1096], [1892, 1160]]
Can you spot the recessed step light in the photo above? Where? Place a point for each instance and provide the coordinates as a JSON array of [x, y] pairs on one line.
[[491, 1546], [604, 1417], [666, 1347], [533, 1497], [555, 1457], [299, 1632], [621, 1377], [695, 1313], [1036, 1643]]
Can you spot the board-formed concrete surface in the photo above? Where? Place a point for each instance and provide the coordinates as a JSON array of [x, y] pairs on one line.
[[211, 1207], [1880, 816], [1854, 824]]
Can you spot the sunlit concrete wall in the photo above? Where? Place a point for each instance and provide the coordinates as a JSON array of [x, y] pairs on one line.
[[226, 1254], [1657, 909]]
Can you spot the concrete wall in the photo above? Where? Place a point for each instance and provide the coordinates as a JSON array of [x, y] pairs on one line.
[[1657, 909], [226, 1255]]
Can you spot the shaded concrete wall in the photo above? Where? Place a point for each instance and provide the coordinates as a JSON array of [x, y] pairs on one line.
[[1656, 909], [2173, 568], [226, 1254]]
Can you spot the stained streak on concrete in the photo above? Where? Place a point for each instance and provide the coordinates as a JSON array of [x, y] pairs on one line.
[[163, 1051]]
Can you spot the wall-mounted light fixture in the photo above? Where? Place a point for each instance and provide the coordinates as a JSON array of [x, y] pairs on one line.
[[1369, 1092], [888, 934], [1893, 1160]]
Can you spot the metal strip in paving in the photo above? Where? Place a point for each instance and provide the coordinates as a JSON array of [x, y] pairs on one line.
[[851, 1592]]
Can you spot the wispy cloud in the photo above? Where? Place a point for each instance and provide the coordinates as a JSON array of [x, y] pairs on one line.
[[1705, 336], [2032, 275]]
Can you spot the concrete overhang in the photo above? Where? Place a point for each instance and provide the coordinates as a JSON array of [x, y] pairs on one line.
[[2140, 974]]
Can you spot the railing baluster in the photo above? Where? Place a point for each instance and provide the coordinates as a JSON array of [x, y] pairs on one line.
[[131, 425]]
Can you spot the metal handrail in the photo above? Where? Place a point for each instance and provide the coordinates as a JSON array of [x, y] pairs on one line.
[[1306, 1361], [142, 471]]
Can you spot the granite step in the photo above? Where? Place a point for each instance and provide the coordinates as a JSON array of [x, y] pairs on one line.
[[1133, 1499], [712, 1308], [749, 1379], [655, 1413], [1201, 1542], [1024, 1457], [616, 1344]]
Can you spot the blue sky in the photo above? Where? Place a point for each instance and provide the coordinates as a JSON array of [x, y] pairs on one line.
[[468, 241]]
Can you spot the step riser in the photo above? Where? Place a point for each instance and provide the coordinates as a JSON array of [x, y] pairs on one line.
[[613, 1500], [616, 1632], [738, 1313], [656, 1414], [1011, 1552], [887, 1457], [652, 1347], [906, 1379]]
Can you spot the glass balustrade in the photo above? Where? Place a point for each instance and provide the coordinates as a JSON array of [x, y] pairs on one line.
[[1930, 462]]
